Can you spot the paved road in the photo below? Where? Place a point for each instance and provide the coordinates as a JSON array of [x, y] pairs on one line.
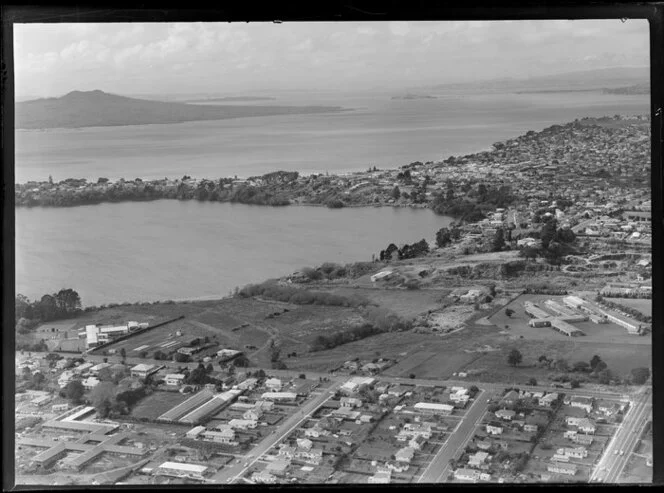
[[611, 465], [439, 468], [235, 471]]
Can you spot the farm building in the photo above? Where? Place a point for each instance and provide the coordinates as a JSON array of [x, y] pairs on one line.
[[565, 328], [534, 311]]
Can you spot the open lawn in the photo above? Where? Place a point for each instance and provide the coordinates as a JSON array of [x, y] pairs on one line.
[[644, 306], [636, 471], [426, 364], [620, 359], [157, 404], [406, 303]]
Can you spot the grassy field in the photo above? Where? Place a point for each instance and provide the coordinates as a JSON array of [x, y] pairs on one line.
[[157, 404], [620, 359], [644, 306], [407, 303]]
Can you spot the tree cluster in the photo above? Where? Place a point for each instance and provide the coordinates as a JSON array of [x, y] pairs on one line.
[[415, 250], [63, 304], [272, 290]]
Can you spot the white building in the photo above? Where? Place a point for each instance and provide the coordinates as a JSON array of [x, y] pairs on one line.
[[142, 370], [274, 384], [175, 379], [433, 408], [180, 469], [279, 396]]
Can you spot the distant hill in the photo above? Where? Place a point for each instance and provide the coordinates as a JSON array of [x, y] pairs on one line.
[[100, 109], [414, 96], [595, 79], [232, 98], [635, 89]]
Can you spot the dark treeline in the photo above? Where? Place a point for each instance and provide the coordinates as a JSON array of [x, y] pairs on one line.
[[273, 290], [379, 320], [632, 312], [63, 304], [73, 192], [331, 271], [474, 203], [393, 252]]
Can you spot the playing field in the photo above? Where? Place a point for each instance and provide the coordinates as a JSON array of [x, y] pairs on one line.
[[156, 404], [426, 364], [406, 303], [644, 306]]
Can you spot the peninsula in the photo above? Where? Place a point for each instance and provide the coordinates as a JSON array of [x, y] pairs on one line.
[[614, 149], [79, 109]]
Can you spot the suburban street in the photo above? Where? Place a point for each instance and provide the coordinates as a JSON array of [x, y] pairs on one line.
[[625, 439], [232, 472], [439, 468]]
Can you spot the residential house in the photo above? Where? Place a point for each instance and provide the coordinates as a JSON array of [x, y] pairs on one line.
[[90, 383], [417, 442], [253, 414], [494, 428], [274, 384], [311, 456], [464, 474], [381, 477], [478, 460], [548, 400], [224, 435], [97, 368], [510, 398], [585, 403], [505, 414], [345, 413], [531, 428], [66, 377], [483, 444], [575, 452], [248, 384], [143, 371], [174, 379], [278, 467], [194, 432], [315, 431], [582, 439], [608, 408], [567, 469], [405, 454], [351, 402], [263, 477], [242, 424]]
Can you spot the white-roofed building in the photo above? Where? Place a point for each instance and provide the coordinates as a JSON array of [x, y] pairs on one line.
[[175, 379], [142, 370], [279, 396], [433, 408], [274, 384], [180, 469]]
